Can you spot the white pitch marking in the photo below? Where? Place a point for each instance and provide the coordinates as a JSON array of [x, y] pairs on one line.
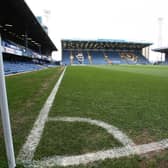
[[27, 151], [100, 155], [118, 135], [127, 150]]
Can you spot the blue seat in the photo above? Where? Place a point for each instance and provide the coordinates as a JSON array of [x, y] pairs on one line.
[[16, 67]]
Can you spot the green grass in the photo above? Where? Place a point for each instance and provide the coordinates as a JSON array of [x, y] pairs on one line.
[[132, 98], [134, 102], [155, 70], [26, 95], [73, 139]]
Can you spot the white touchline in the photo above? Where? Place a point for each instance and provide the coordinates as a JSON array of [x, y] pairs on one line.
[[100, 155], [28, 149], [128, 149]]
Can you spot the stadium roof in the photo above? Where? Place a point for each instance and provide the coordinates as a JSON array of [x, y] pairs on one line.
[[162, 50], [101, 44], [18, 21]]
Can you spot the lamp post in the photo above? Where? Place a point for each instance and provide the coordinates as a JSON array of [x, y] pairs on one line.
[[5, 116]]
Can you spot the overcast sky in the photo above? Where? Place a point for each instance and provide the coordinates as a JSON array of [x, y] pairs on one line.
[[135, 20]]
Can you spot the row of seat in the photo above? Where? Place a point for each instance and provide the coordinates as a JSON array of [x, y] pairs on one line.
[[108, 57], [17, 67]]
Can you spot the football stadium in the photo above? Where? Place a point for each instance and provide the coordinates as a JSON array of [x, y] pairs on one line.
[[103, 105]]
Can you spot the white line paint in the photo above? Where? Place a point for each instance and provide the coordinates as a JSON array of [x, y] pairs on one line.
[[82, 159], [118, 135], [100, 155], [28, 149], [129, 147], [127, 150]]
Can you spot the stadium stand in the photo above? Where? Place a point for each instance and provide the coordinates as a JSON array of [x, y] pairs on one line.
[[25, 44], [103, 51], [130, 58], [14, 64], [114, 57], [165, 52], [97, 57], [89, 58], [12, 68]]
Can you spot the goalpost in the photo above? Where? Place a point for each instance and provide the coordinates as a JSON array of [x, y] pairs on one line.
[[5, 115]]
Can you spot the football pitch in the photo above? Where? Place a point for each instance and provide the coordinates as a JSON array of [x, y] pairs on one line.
[[96, 109]]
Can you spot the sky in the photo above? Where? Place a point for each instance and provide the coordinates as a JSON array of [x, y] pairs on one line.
[[132, 20]]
